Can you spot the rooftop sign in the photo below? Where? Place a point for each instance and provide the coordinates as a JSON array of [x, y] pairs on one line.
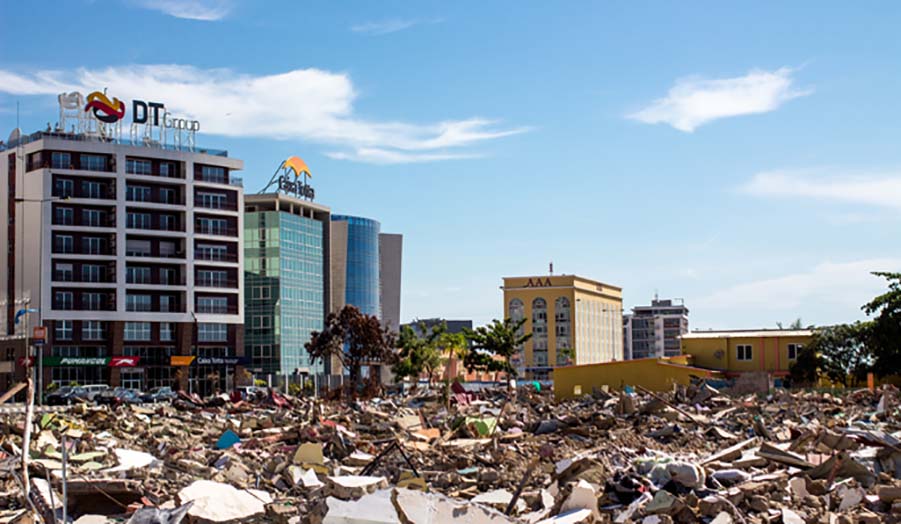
[[100, 115], [291, 178]]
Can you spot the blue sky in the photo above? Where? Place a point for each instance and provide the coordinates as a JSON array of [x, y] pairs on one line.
[[743, 158]]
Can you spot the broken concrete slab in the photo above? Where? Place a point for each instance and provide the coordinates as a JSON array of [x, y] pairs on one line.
[[416, 507], [215, 502], [354, 486]]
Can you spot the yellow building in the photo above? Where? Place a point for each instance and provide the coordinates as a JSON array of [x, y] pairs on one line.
[[771, 350], [655, 374], [573, 320]]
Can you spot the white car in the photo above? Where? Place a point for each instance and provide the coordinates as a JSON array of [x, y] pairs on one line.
[[95, 389]]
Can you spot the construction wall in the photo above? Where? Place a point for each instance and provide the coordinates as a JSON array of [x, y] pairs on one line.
[[651, 373]]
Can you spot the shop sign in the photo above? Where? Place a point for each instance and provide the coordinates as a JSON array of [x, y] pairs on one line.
[[221, 361], [75, 361], [38, 335], [180, 361], [124, 362], [538, 282]]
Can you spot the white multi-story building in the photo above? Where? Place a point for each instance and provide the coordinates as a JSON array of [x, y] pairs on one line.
[[131, 255], [654, 331]]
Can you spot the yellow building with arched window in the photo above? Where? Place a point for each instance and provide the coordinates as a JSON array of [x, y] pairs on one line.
[[573, 321]]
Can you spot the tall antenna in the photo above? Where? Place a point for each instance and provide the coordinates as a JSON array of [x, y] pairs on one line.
[[551, 267]]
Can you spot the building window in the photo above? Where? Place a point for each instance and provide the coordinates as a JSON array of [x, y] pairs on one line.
[[167, 276], [167, 169], [137, 275], [63, 244], [167, 248], [137, 248], [137, 331], [208, 332], [92, 330], [167, 196], [208, 278], [212, 226], [62, 330], [61, 160], [262, 322], [135, 166], [261, 293], [138, 221], [64, 188], [743, 352], [64, 216], [91, 273], [92, 245], [63, 299], [563, 331], [92, 301], [167, 303], [212, 304], [91, 217], [794, 350], [168, 223], [539, 327], [63, 273], [137, 193], [211, 252], [90, 189], [93, 162], [135, 302], [167, 332], [213, 174], [212, 200]]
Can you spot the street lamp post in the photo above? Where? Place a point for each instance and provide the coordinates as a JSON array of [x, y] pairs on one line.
[[40, 356]]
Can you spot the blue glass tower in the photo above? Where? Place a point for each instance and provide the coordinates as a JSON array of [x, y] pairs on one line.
[[362, 275]]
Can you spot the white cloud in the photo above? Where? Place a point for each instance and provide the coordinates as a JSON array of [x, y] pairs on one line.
[[374, 155], [847, 285], [384, 27], [879, 189], [305, 104], [207, 10], [693, 102]]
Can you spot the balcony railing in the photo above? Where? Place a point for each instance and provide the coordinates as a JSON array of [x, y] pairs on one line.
[[224, 206], [90, 138], [215, 230], [227, 283], [215, 256]]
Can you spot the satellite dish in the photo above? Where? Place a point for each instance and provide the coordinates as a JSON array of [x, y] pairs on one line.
[[15, 135]]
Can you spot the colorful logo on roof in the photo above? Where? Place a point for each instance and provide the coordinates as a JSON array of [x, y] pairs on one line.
[[296, 185], [296, 164], [105, 110]]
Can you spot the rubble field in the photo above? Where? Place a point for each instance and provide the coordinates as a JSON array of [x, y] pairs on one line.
[[689, 455]]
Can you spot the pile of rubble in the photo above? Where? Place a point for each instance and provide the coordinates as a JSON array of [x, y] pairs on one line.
[[690, 455]]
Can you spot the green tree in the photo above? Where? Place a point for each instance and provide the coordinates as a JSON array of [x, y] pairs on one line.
[[418, 354], [885, 336], [498, 339], [355, 340], [842, 353]]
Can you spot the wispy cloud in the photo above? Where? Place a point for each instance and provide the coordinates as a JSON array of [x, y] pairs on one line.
[[879, 189], [694, 101], [207, 10], [374, 155], [384, 27], [845, 284], [305, 104]]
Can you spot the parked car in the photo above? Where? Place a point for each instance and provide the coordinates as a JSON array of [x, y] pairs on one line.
[[118, 396], [95, 389], [67, 395], [160, 394]]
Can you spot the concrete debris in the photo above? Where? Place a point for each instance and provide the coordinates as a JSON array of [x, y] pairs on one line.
[[695, 454], [214, 502]]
